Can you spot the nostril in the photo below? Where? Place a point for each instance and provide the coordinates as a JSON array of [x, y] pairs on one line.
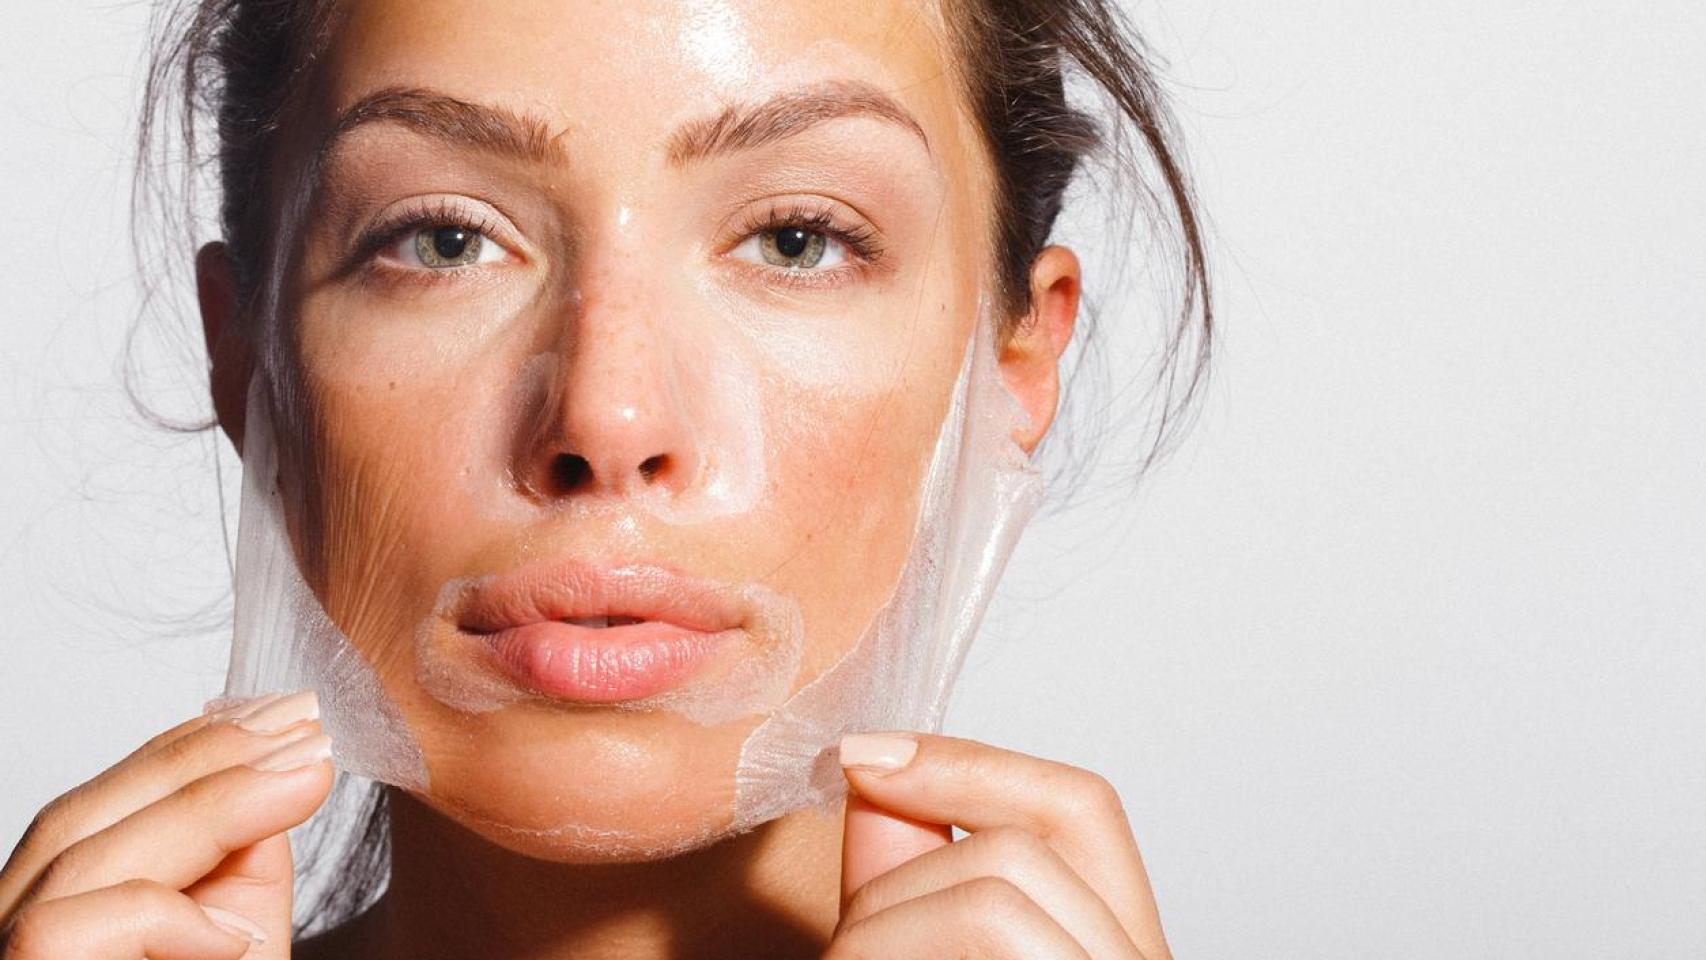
[[652, 466], [570, 471]]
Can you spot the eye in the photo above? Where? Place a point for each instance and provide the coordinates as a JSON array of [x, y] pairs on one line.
[[808, 242], [443, 246], [793, 248]]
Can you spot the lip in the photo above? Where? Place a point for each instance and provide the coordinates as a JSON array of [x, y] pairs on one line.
[[521, 617]]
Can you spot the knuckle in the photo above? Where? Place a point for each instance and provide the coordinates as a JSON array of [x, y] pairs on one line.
[[54, 826], [209, 796], [1003, 917], [61, 872], [1093, 795], [992, 898], [1006, 847], [859, 904], [140, 896], [76, 868], [32, 935], [170, 734], [188, 754]]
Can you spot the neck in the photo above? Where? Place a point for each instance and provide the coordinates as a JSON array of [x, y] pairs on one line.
[[772, 892]]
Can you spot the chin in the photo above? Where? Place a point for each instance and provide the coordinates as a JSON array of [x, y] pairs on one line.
[[587, 786]]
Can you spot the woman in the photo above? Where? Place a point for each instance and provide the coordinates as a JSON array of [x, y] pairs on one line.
[[684, 284]]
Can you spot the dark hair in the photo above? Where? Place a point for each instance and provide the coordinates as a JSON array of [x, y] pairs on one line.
[[235, 64]]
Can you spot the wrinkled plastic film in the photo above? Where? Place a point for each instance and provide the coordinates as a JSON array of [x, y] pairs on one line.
[[283, 640], [980, 491], [977, 492]]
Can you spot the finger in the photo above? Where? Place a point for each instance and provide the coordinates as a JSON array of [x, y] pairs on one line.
[[215, 711], [976, 787], [1019, 858], [986, 918], [180, 838], [255, 882], [125, 922], [244, 730], [266, 712], [874, 841], [184, 754]]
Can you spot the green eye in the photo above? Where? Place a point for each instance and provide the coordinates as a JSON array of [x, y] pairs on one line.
[[448, 245], [793, 247]]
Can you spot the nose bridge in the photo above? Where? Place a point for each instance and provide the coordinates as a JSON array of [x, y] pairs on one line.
[[614, 421]]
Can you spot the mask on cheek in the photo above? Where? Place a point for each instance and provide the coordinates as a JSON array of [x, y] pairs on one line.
[[554, 636]]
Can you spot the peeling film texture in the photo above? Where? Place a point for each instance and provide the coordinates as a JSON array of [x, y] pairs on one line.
[[976, 495]]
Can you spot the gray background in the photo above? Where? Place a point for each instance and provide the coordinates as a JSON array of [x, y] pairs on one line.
[[1401, 656]]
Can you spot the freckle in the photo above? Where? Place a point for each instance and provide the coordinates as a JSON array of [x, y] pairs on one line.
[[393, 385]]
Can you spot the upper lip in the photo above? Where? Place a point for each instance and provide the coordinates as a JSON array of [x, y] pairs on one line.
[[564, 590]]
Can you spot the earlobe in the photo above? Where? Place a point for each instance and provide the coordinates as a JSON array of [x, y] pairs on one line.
[[230, 362], [1030, 359]]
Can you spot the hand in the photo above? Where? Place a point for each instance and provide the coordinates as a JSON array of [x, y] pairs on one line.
[[177, 852], [1049, 870]]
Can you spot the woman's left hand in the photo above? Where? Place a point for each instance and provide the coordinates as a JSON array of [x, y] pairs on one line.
[[1049, 868]]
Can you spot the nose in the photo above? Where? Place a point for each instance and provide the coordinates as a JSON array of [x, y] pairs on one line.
[[614, 418]]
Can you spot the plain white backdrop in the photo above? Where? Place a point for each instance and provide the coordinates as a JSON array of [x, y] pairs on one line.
[[1403, 655]]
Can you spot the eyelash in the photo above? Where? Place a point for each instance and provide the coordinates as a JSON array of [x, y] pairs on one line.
[[439, 213], [861, 242]]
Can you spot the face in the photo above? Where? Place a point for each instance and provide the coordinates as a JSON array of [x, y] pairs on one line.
[[618, 338]]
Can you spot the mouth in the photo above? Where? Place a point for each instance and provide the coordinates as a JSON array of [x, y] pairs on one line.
[[595, 634]]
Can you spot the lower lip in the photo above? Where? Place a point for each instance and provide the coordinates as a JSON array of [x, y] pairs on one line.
[[602, 664]]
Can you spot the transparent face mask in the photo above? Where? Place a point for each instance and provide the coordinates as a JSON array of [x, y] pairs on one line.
[[605, 571], [975, 495]]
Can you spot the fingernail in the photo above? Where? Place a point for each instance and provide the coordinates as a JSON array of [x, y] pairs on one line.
[[296, 754], [880, 753], [281, 714], [230, 708], [236, 923]]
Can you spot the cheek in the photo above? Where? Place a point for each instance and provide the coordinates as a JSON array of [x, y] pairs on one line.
[[390, 503], [411, 486], [847, 494]]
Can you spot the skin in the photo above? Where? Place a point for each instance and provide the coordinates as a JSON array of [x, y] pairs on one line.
[[614, 271]]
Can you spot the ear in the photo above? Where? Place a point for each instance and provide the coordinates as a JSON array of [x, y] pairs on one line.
[[1030, 359], [230, 361]]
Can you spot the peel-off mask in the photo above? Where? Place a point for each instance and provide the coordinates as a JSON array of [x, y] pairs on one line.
[[978, 493], [601, 474], [556, 627]]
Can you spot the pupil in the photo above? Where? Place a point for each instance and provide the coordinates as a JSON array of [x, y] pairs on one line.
[[449, 242], [792, 241]]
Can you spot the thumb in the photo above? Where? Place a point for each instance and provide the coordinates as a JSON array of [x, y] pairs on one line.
[[875, 841], [255, 883]]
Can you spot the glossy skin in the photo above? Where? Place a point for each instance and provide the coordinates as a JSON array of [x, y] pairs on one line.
[[611, 267], [625, 320]]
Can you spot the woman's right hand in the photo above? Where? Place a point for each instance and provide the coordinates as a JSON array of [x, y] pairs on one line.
[[177, 852]]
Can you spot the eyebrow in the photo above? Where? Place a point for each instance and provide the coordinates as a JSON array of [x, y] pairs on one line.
[[736, 127], [748, 126], [493, 129]]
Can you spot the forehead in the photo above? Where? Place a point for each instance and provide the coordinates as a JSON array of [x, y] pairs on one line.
[[618, 76]]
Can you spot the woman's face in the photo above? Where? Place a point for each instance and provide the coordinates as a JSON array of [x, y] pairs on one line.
[[642, 310]]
